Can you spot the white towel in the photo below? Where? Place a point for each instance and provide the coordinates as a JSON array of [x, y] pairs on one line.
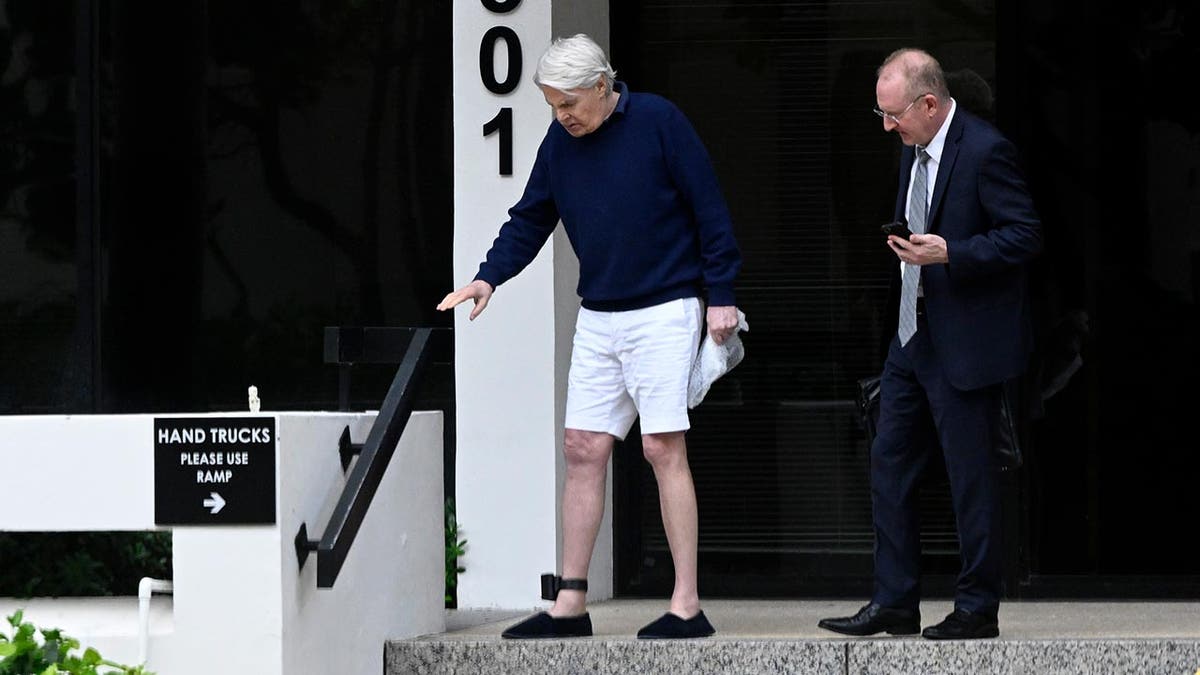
[[714, 360]]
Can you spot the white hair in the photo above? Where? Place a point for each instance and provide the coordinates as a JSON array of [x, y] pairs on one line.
[[576, 62]]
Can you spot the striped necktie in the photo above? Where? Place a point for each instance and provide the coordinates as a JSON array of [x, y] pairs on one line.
[[917, 211]]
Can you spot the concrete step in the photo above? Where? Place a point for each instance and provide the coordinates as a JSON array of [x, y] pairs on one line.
[[781, 637]]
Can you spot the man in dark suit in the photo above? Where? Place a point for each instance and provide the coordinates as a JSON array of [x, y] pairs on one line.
[[963, 329]]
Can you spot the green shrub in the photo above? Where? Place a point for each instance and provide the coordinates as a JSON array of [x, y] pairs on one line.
[[23, 654], [455, 548], [69, 564]]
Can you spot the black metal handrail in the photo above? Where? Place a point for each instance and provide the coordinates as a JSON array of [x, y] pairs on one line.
[[350, 346], [367, 345]]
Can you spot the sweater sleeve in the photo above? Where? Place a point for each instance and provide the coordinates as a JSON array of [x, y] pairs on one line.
[[530, 223], [692, 171]]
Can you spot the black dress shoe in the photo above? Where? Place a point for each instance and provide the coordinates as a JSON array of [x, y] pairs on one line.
[[873, 618], [674, 627], [542, 625], [963, 625]]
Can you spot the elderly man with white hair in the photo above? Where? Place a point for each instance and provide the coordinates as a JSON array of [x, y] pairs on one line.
[[635, 190]]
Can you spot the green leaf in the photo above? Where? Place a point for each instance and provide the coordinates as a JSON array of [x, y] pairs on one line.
[[50, 670], [7, 649], [91, 657]]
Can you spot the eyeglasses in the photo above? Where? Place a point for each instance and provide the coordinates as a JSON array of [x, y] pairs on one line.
[[896, 118]]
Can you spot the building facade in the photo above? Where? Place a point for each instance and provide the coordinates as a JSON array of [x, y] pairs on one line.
[[193, 190]]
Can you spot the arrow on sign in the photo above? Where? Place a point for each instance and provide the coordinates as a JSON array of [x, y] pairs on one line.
[[214, 502]]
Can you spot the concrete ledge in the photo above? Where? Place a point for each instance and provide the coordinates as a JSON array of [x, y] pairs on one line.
[[760, 637], [615, 657], [755, 657], [1005, 657]]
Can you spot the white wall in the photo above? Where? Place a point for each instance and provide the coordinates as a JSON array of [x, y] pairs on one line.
[[511, 362], [392, 584], [76, 472], [241, 604]]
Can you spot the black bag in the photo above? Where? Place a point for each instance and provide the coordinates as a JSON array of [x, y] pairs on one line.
[[1008, 440], [868, 406]]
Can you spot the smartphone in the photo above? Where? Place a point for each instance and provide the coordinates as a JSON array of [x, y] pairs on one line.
[[897, 228]]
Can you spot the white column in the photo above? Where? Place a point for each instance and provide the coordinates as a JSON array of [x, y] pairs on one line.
[[511, 363]]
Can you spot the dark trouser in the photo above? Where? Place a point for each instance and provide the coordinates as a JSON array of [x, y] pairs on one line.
[[919, 409]]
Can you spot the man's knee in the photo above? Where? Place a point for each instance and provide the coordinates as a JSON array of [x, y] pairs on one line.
[[586, 448], [664, 448]]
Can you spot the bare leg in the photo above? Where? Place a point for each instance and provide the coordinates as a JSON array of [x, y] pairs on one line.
[[667, 454], [586, 454]]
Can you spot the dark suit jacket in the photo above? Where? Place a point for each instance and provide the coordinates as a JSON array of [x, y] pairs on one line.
[[977, 305]]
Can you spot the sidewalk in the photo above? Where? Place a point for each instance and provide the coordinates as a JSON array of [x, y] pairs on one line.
[[797, 619]]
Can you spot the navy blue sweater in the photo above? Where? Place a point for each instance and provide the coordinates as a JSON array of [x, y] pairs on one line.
[[640, 204]]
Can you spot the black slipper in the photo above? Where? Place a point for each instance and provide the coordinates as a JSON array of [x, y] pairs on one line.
[[673, 627], [542, 625]]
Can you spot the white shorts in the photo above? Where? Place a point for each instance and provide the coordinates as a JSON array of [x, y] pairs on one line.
[[636, 362]]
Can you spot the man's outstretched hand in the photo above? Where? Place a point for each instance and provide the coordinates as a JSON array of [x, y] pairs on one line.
[[479, 291]]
